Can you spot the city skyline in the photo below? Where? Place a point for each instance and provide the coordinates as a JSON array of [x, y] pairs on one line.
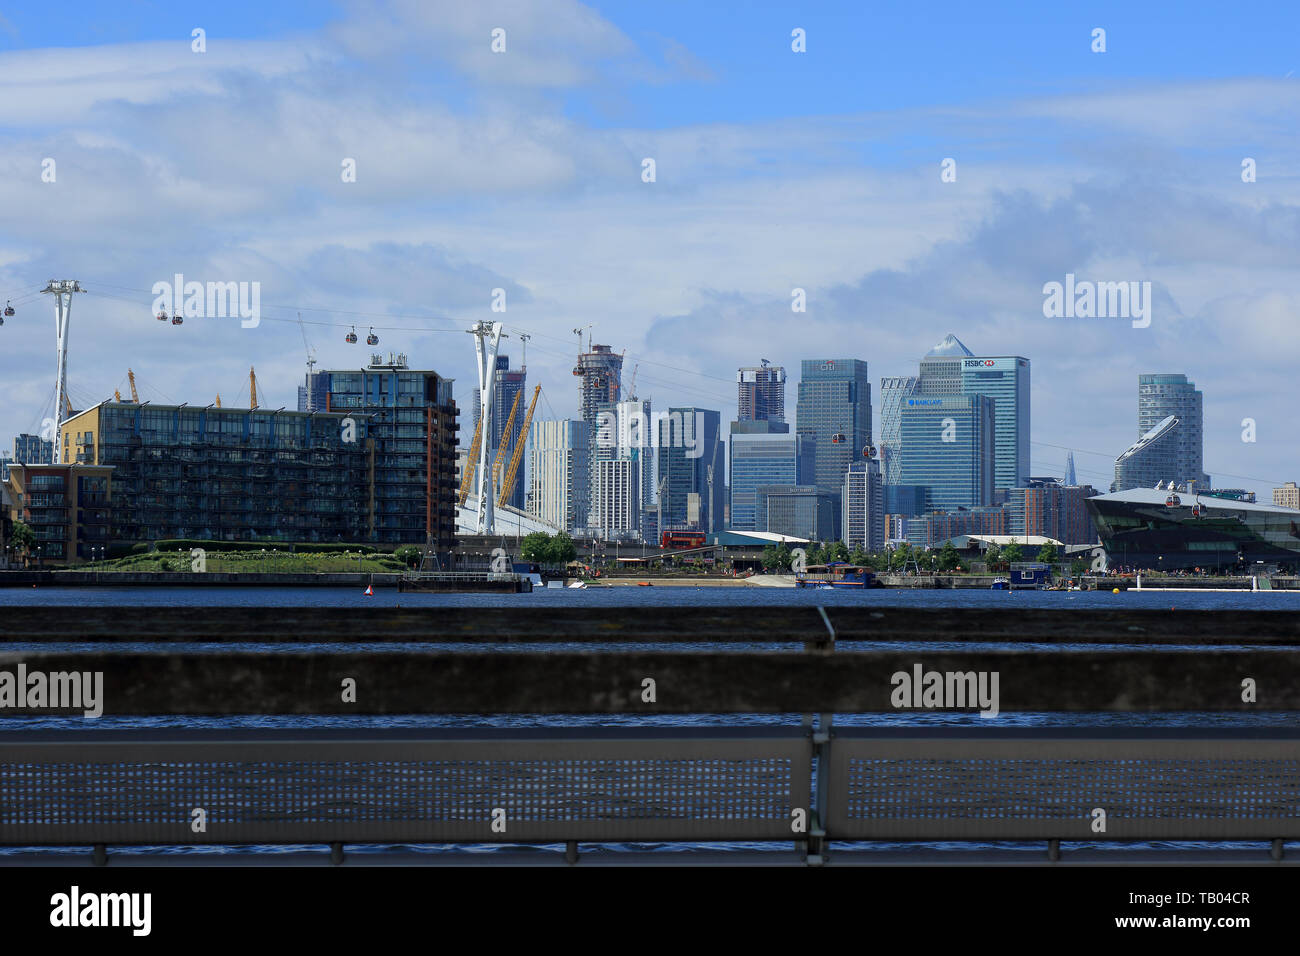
[[819, 171]]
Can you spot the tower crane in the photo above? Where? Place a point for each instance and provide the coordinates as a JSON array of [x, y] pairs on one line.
[[505, 436], [252, 389], [311, 363], [470, 463], [512, 472], [135, 396], [578, 369]]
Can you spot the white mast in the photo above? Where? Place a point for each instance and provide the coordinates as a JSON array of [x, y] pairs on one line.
[[62, 290]]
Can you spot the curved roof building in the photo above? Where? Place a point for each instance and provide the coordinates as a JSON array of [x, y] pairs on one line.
[[1156, 528]]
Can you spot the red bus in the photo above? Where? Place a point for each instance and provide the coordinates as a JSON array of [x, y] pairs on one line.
[[682, 539]]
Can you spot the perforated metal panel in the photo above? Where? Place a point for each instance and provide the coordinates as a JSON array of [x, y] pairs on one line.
[[615, 787], [928, 787]]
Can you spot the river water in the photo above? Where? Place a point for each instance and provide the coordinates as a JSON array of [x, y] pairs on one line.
[[611, 597]]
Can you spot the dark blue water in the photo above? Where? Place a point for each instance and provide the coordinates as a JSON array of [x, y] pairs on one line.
[[611, 597]]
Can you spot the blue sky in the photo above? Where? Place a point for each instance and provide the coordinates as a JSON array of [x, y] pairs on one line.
[[775, 170]]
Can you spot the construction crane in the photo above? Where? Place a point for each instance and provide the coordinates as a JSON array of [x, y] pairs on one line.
[[578, 369], [117, 396], [470, 464], [218, 401], [505, 437], [252, 389], [631, 390], [512, 472], [311, 363], [135, 396]]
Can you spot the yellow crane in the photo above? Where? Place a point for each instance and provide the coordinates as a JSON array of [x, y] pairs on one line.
[[512, 473], [252, 388], [135, 396], [218, 401], [470, 464], [505, 437]]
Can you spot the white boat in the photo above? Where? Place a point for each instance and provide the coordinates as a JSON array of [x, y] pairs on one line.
[[577, 584]]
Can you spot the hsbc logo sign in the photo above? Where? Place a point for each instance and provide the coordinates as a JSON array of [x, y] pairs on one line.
[[979, 363]]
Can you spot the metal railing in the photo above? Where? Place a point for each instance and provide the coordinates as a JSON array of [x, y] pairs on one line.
[[819, 788]]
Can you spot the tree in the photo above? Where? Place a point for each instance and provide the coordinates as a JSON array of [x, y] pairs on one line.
[[562, 549], [948, 557], [769, 558], [1048, 554], [23, 539], [838, 551], [1078, 568], [536, 547], [859, 557], [993, 556], [783, 558], [902, 554], [1012, 553]]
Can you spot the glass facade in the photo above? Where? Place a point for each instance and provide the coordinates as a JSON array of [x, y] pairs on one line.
[[760, 393], [893, 392], [1140, 529], [950, 448], [226, 474], [834, 412], [1162, 396], [1004, 379], [690, 442], [761, 458], [412, 422]]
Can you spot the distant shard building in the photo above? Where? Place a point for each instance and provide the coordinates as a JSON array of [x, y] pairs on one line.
[[1069, 469]]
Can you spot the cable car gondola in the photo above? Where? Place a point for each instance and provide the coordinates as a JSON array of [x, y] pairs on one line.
[[177, 320], [9, 310], [351, 337], [1196, 511], [868, 451], [372, 339], [837, 438], [1173, 501], [162, 316]]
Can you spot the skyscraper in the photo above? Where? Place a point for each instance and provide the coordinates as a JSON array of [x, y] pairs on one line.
[[691, 452], [952, 369], [559, 483], [760, 393], [763, 453], [834, 412], [1151, 460], [599, 371], [893, 392], [622, 466], [864, 506], [1163, 395], [950, 450]]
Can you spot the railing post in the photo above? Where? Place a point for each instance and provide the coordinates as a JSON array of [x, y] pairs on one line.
[[1276, 851], [100, 855], [821, 756]]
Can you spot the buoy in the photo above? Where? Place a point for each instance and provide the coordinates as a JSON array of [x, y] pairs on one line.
[[370, 592], [1114, 591]]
